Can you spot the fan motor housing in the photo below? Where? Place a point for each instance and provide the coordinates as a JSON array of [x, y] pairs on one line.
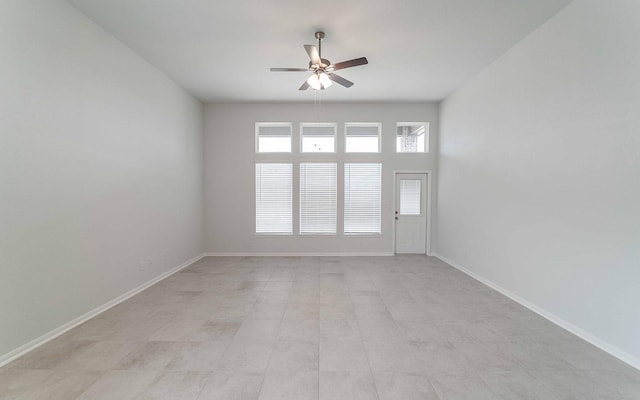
[[325, 64]]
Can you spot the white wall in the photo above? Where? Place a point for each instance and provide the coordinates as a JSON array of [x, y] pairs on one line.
[[100, 169], [230, 171], [539, 174]]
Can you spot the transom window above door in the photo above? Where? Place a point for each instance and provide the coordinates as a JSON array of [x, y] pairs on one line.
[[412, 137]]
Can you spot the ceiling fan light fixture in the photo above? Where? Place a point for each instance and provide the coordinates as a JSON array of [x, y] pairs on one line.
[[314, 82], [319, 81], [325, 80]]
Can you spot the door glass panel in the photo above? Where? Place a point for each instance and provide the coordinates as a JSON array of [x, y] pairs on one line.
[[410, 196]]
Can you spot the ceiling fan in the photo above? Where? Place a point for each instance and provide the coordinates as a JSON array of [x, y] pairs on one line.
[[322, 68]]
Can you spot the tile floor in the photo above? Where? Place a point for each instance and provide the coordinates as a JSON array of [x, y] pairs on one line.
[[328, 328]]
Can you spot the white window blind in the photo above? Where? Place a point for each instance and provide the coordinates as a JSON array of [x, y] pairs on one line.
[[318, 138], [273, 137], [318, 198], [274, 198], [362, 197], [362, 138], [410, 192]]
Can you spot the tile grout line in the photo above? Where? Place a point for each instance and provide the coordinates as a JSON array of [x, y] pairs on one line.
[[264, 373], [366, 353]]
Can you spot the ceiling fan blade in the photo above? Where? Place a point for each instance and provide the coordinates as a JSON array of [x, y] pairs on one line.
[[338, 79], [304, 86], [312, 51], [348, 64], [288, 69]]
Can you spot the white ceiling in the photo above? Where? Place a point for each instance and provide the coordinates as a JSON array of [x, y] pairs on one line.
[[418, 50]]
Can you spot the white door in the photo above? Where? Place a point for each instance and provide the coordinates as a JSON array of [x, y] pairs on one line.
[[411, 213]]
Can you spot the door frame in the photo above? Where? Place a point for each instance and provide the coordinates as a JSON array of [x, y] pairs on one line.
[[428, 199]]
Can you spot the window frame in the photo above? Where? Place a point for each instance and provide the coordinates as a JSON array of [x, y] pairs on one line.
[[258, 125], [299, 197], [333, 125], [255, 202], [344, 208], [363, 124]]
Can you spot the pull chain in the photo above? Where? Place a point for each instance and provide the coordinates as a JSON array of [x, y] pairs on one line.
[[317, 104]]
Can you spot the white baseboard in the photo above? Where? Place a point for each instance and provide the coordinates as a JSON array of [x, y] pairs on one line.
[[302, 254], [601, 344], [27, 347]]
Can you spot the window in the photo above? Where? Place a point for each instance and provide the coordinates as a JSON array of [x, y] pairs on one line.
[[318, 138], [412, 137], [273, 137], [318, 199], [362, 197], [274, 198], [362, 138], [410, 196]]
